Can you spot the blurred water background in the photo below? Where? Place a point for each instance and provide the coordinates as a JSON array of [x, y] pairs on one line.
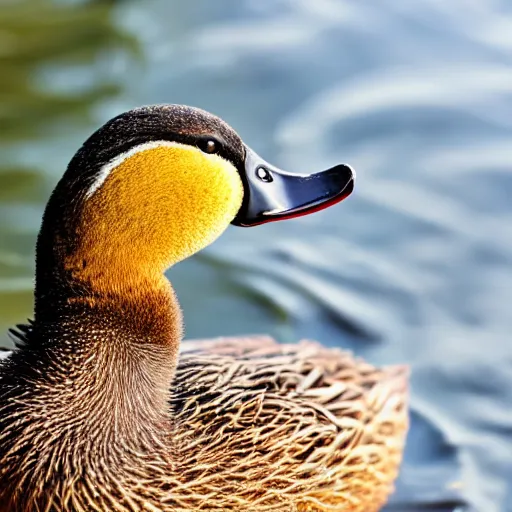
[[415, 267]]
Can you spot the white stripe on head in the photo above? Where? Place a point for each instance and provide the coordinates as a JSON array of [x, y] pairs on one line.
[[105, 171]]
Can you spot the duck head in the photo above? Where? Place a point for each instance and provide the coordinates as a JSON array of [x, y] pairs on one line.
[[157, 184]]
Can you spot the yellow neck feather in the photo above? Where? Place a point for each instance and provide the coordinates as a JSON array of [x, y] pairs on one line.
[[150, 209]]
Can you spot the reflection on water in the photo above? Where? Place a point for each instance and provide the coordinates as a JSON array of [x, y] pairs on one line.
[[414, 267]]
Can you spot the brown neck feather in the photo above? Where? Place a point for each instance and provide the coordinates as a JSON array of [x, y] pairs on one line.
[[125, 345], [92, 385], [114, 339]]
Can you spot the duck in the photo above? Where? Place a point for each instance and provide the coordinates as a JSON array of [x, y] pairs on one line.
[[103, 407]]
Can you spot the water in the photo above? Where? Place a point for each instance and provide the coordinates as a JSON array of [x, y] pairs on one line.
[[414, 267]]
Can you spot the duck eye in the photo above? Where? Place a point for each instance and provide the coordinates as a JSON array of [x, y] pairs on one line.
[[264, 174], [209, 146]]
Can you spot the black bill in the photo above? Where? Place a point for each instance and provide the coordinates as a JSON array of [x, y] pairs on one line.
[[272, 194]]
